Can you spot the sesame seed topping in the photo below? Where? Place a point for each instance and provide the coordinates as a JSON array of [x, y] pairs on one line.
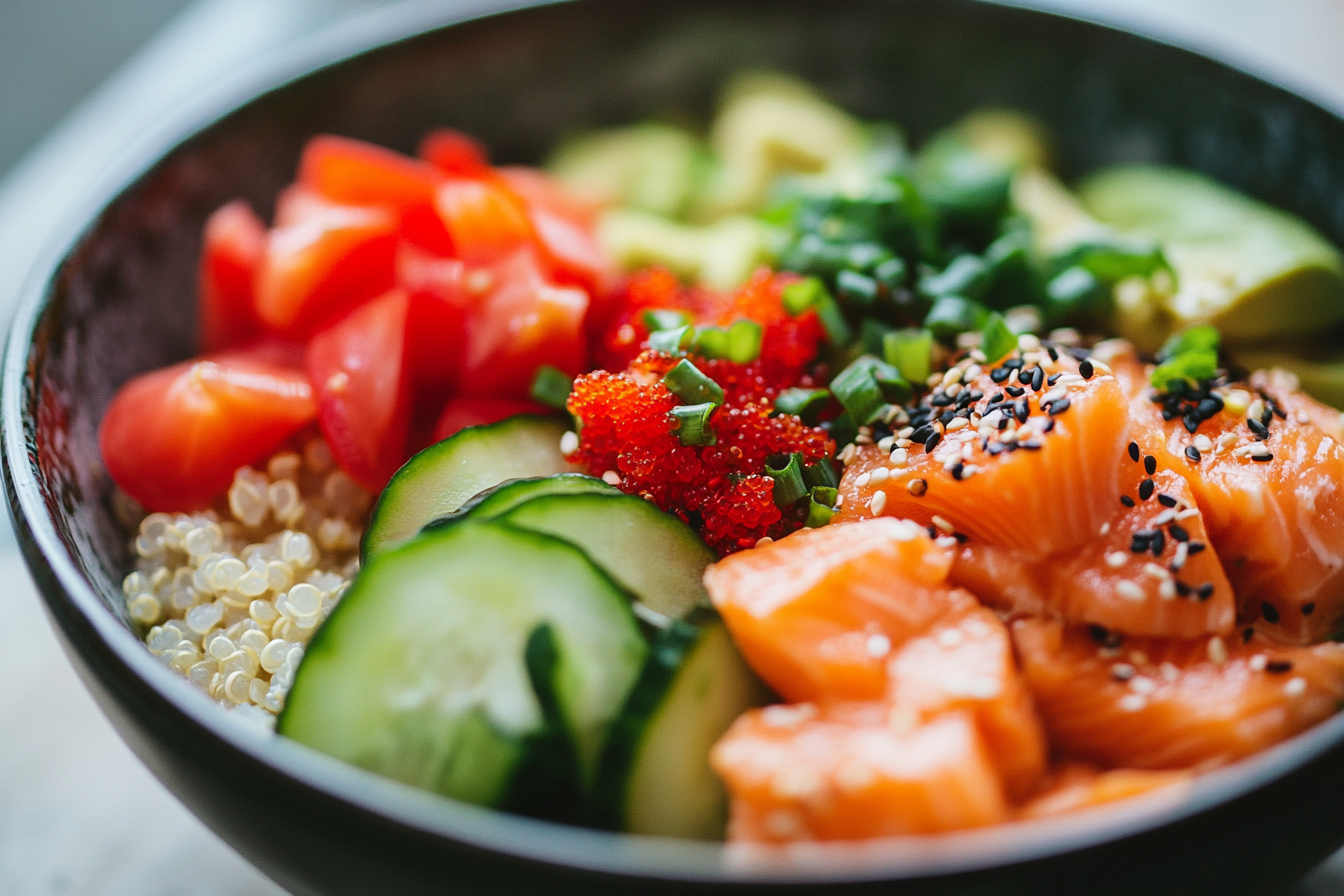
[[1152, 570], [1146, 489], [1150, 466], [1270, 612], [1163, 518], [1192, 453], [878, 503], [917, 487], [1178, 532], [1127, 500], [1130, 590], [1058, 406], [1134, 451], [1133, 702], [1278, 667], [1217, 651], [943, 525], [611, 477], [1295, 687], [1167, 590], [932, 441], [862, 480], [1142, 684], [1308, 609], [1123, 671], [1116, 559], [1258, 662], [1086, 369]]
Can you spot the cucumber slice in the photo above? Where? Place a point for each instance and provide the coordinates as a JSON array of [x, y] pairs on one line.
[[423, 672], [494, 502], [653, 555], [445, 475], [655, 777]]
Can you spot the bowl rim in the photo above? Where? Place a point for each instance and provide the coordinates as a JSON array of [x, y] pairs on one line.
[[64, 588]]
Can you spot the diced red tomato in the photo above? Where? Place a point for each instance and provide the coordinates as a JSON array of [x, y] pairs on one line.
[[484, 218], [437, 333], [454, 152], [359, 371], [352, 172], [460, 413], [172, 438], [322, 262], [519, 321], [564, 230], [234, 241]]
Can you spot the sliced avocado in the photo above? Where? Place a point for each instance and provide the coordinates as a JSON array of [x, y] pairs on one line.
[[1251, 270], [720, 255], [1006, 137], [654, 167]]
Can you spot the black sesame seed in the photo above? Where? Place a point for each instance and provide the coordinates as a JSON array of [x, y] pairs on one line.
[[1139, 541], [1159, 544], [1178, 532], [947, 417], [1003, 421], [1270, 612], [1166, 500], [1308, 609], [1195, 547], [1013, 363], [1122, 672], [1192, 453], [1127, 500], [975, 394], [1261, 430], [961, 537], [958, 470], [1262, 458], [1134, 451], [1050, 350], [1183, 589], [1053, 378], [1150, 464], [1168, 415], [1191, 422], [1049, 425], [1275, 407], [1246, 634], [1058, 407], [1278, 667], [999, 374], [1146, 489], [922, 434], [996, 399], [1085, 369], [1015, 391], [995, 449], [933, 533], [1098, 633], [940, 399], [1037, 378], [1031, 445], [932, 441], [1205, 591], [1210, 406]]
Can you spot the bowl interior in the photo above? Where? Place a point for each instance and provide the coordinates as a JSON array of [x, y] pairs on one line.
[[120, 300]]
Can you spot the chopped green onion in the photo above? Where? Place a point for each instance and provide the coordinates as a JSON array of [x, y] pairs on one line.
[[690, 385], [951, 315], [857, 291], [744, 341], [968, 276], [809, 294], [672, 342], [803, 403], [871, 334], [1113, 258], [867, 385], [656, 319], [551, 386], [821, 474], [693, 420], [1075, 293], [787, 471], [910, 352], [1187, 358], [996, 340], [842, 429], [891, 273], [711, 342], [1201, 338], [821, 507]]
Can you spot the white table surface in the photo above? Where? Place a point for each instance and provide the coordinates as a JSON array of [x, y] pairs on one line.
[[78, 813]]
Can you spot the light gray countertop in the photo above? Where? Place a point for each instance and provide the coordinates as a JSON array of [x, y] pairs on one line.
[[78, 813]]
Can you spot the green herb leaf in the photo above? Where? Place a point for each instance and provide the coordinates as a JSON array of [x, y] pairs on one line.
[[996, 340], [551, 386], [1187, 358], [693, 423]]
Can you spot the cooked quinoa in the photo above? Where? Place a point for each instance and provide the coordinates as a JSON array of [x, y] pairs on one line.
[[230, 597]]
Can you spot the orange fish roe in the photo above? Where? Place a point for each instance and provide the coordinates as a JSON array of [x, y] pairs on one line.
[[721, 490]]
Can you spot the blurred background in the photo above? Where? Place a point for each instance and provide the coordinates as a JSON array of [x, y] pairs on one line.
[[80, 82]]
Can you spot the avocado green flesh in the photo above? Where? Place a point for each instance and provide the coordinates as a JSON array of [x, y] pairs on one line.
[[1251, 270], [1321, 378]]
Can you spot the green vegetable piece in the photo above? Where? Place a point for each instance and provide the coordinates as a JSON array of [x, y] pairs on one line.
[[867, 385], [656, 319], [1076, 295], [710, 342], [810, 293], [1115, 258], [787, 471], [863, 257], [1196, 339], [891, 273], [820, 507], [693, 423], [996, 340], [1013, 278], [672, 342], [911, 352], [871, 334], [1187, 358], [951, 315], [551, 386], [1253, 271], [843, 429], [821, 474], [803, 403], [744, 341], [690, 385], [858, 292], [966, 275]]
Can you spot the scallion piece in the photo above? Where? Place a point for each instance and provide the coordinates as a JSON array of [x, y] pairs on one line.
[[744, 341], [690, 385], [551, 386], [656, 319], [711, 342], [843, 429], [693, 423], [951, 315], [996, 340], [821, 507], [856, 291], [787, 471], [672, 342], [810, 294], [821, 474], [910, 352], [1187, 358], [803, 403], [867, 385]]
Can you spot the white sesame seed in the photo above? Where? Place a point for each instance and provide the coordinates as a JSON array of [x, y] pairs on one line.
[[900, 457], [968, 471], [1202, 443], [611, 477], [885, 444], [1142, 684], [951, 378], [1258, 662], [1116, 559], [1133, 702], [1028, 342], [1217, 651], [1053, 395], [1129, 590], [1187, 514], [846, 456], [569, 443], [1105, 529], [951, 462], [879, 475], [1101, 367], [972, 372], [1256, 410], [878, 646], [1167, 590], [957, 423], [1122, 671], [1152, 570], [1259, 449], [878, 504], [1295, 687], [943, 525], [1162, 518], [1169, 672], [950, 637], [1182, 554], [1302, 417], [934, 381]]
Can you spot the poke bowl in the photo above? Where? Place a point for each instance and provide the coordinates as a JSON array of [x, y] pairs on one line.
[[115, 300]]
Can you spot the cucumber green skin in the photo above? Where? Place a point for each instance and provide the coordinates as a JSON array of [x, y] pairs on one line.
[[502, 498], [371, 652], [655, 777], [652, 554], [444, 476]]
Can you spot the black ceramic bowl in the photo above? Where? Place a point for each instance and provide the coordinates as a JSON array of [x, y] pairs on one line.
[[115, 299]]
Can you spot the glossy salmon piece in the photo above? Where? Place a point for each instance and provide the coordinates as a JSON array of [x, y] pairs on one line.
[[965, 662], [1163, 590], [1079, 785], [798, 773], [1023, 488], [817, 613], [1166, 704], [1276, 524]]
